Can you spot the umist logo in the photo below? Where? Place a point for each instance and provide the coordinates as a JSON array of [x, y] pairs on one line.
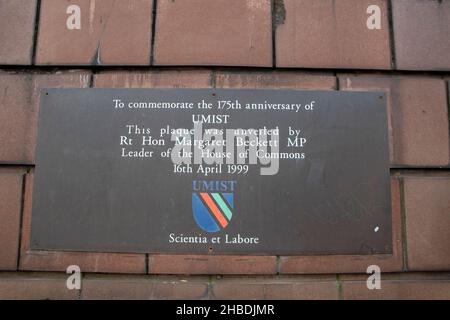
[[213, 203]]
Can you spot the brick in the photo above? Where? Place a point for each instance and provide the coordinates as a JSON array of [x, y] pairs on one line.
[[275, 80], [36, 260], [20, 95], [399, 286], [205, 32], [421, 30], [17, 115], [353, 263], [275, 288], [303, 290], [112, 33], [427, 211], [10, 199], [203, 264], [35, 286], [154, 79], [16, 31], [143, 288], [331, 34], [418, 116]]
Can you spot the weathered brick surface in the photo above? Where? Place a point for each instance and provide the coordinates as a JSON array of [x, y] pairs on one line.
[[35, 286], [17, 31], [154, 79], [203, 264], [427, 211], [331, 34], [112, 32], [10, 206], [398, 286], [393, 286], [275, 288], [354, 263], [205, 32], [418, 116], [19, 96], [36, 260], [275, 80], [421, 33], [143, 288]]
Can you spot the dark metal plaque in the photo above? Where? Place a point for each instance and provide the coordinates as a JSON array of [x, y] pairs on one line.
[[312, 175]]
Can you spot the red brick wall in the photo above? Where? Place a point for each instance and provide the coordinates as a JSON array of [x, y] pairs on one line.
[[294, 44]]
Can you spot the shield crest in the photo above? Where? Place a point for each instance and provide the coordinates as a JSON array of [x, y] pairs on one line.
[[212, 210]]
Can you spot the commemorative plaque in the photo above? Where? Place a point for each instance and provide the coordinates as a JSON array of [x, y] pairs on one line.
[[212, 171]]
